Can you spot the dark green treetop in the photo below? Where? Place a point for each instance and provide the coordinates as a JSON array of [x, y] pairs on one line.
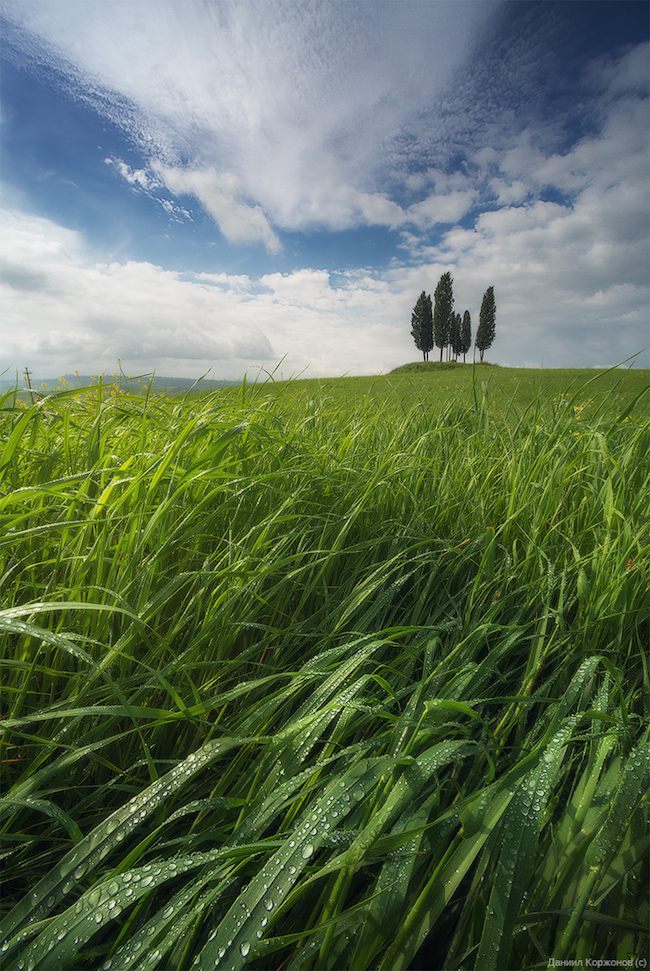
[[456, 336], [422, 325], [486, 322], [443, 310], [465, 334]]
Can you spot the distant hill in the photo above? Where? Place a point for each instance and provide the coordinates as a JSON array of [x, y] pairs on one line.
[[160, 383], [416, 367]]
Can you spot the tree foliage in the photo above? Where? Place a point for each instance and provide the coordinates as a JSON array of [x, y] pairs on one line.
[[465, 334], [456, 336], [422, 325], [487, 322], [443, 311]]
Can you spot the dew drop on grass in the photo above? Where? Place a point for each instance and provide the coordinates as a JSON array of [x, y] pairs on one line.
[[244, 947], [268, 903], [307, 851]]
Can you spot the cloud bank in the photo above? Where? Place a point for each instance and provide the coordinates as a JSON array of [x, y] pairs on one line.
[[571, 287]]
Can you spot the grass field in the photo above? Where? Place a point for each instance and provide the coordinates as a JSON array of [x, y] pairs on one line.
[[327, 674]]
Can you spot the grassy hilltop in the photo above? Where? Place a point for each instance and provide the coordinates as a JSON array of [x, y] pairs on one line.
[[327, 674]]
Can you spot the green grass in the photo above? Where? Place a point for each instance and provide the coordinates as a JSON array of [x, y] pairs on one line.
[[326, 674]]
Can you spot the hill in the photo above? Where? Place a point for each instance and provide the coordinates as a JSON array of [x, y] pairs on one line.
[[158, 382], [423, 367]]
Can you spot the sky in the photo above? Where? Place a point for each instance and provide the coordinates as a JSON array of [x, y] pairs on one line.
[[228, 186]]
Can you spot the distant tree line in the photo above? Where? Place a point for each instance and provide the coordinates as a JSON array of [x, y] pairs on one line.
[[436, 324]]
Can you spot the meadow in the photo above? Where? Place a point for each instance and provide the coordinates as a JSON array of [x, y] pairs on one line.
[[326, 674]]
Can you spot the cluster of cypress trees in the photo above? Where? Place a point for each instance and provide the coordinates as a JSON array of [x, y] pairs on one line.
[[437, 324]]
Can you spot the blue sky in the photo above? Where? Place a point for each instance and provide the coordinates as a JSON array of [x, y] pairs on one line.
[[220, 185]]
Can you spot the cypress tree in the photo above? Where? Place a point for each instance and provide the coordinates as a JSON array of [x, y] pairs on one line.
[[422, 325], [456, 336], [443, 310], [465, 334], [486, 322], [459, 336]]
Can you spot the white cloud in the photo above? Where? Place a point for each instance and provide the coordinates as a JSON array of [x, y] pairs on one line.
[[78, 312], [506, 193], [139, 178], [143, 180], [220, 194], [626, 74], [273, 114], [178, 213], [436, 208]]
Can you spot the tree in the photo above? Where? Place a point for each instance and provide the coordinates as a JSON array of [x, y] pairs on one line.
[[486, 322], [443, 310], [422, 325], [452, 340], [465, 334], [456, 336]]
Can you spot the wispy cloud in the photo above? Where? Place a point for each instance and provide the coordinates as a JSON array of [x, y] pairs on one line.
[[143, 180], [273, 114]]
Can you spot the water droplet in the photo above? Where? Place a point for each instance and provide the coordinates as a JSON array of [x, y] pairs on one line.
[[307, 851], [268, 903], [244, 947]]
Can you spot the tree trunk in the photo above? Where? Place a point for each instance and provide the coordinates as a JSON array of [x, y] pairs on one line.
[[463, 357], [481, 353]]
